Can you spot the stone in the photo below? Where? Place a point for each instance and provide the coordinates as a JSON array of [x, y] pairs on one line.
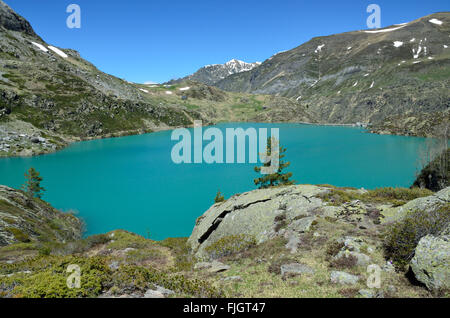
[[371, 293], [296, 269], [431, 262], [343, 278], [212, 267], [302, 225], [253, 214], [367, 293], [352, 243], [153, 294], [164, 291], [232, 278], [362, 259], [388, 267]]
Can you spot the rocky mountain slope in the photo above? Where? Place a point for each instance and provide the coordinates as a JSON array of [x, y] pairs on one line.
[[398, 74], [23, 222], [297, 241], [61, 97], [211, 74], [50, 97]]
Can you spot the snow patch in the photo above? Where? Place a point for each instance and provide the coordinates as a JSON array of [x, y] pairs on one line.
[[40, 46], [373, 83], [319, 48], [398, 43], [169, 93], [356, 84], [143, 90], [58, 51], [445, 46], [185, 88], [436, 21], [412, 40], [298, 98], [385, 30]]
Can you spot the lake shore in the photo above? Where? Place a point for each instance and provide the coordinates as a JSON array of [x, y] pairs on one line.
[[42, 146]]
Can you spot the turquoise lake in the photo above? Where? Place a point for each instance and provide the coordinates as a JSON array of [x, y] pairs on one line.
[[131, 182]]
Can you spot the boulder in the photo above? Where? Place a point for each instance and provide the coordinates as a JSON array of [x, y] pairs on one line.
[[431, 262], [212, 267], [253, 214], [296, 269], [343, 278], [430, 203], [302, 225], [361, 259], [153, 294]]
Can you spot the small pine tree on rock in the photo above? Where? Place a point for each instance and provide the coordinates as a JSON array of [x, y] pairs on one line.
[[219, 197], [278, 178], [32, 186]]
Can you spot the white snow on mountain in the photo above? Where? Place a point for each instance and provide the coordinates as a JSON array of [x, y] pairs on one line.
[[319, 48], [58, 51], [398, 43], [436, 21], [385, 30], [40, 46]]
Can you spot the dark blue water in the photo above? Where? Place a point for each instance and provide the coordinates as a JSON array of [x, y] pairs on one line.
[[131, 183]]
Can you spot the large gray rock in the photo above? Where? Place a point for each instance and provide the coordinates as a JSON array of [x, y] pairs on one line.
[[431, 263], [430, 203], [361, 259], [343, 278], [296, 269], [212, 267], [253, 214]]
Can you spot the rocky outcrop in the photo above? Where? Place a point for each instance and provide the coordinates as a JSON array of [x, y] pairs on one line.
[[430, 203], [431, 262], [12, 21], [23, 221], [254, 214]]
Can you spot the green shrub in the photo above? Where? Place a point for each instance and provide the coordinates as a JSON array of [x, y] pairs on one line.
[[19, 235], [229, 245], [48, 277], [402, 237], [395, 196]]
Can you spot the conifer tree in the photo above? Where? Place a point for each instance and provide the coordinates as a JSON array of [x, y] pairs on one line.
[[278, 178], [32, 186]]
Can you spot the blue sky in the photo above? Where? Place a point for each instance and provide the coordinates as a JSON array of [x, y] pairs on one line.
[[156, 40]]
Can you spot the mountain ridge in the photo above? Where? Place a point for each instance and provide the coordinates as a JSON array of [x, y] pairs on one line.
[[211, 74]]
